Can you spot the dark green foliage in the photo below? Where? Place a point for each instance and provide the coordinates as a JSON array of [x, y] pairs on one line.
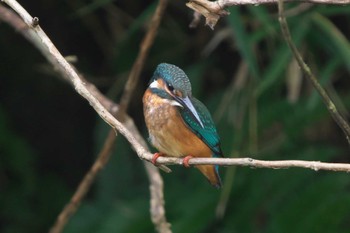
[[49, 136]]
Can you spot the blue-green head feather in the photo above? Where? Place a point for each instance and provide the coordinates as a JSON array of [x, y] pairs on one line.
[[174, 77]]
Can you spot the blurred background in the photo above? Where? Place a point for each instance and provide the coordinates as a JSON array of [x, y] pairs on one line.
[[243, 71]]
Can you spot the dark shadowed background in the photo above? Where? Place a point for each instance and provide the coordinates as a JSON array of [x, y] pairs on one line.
[[49, 135]]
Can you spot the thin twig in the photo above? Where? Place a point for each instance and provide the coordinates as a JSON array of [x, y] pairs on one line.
[[85, 184], [213, 10], [338, 118], [140, 60]]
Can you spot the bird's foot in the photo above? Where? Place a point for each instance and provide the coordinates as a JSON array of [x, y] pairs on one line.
[[186, 160], [155, 157]]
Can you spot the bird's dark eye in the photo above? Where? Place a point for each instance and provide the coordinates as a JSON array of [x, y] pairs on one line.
[[170, 87]]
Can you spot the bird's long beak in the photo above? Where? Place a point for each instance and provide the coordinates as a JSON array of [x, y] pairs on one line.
[[187, 103]]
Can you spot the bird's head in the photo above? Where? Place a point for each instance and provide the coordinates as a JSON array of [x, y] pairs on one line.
[[171, 82]]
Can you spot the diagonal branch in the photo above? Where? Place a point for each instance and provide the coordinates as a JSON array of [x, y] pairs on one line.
[[47, 48], [338, 118], [156, 182]]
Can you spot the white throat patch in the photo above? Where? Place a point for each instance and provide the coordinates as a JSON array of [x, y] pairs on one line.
[[155, 84]]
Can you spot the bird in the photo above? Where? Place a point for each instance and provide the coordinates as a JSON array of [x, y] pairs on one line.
[[179, 125]]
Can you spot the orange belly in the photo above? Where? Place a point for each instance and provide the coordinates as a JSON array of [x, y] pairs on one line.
[[168, 132]]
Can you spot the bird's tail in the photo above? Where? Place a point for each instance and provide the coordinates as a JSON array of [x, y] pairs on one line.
[[212, 174]]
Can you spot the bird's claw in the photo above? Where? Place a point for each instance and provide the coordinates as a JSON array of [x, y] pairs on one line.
[[155, 157], [186, 160]]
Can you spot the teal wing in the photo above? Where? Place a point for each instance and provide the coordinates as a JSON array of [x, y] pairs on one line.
[[208, 133]]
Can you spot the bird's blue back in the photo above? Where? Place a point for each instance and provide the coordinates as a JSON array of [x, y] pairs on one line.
[[208, 133]]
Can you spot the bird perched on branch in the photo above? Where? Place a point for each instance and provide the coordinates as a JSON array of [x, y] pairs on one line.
[[179, 125]]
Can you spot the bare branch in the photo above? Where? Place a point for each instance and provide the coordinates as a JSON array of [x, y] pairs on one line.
[[338, 118], [213, 10], [249, 162]]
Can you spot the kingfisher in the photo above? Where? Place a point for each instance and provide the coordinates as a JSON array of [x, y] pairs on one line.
[[178, 124]]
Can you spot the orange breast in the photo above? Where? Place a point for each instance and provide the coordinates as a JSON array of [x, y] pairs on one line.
[[168, 132]]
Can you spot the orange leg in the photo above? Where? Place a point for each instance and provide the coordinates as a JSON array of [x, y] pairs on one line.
[[186, 159], [155, 157]]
